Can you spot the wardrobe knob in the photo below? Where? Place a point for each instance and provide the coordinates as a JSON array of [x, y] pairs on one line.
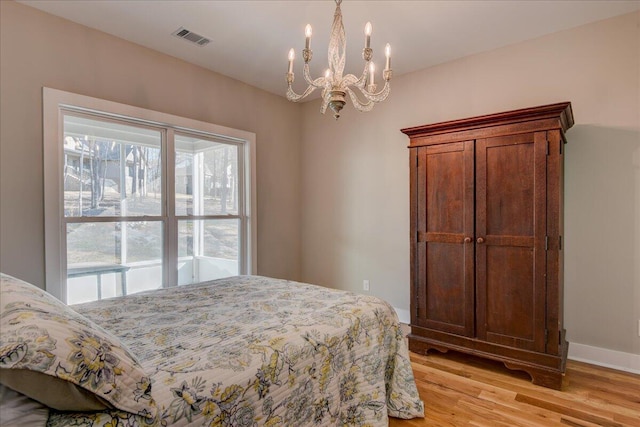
[[467, 239], [480, 240]]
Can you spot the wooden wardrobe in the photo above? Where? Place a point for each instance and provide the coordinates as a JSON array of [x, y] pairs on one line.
[[486, 238]]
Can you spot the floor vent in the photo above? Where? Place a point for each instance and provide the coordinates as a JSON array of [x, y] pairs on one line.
[[183, 33]]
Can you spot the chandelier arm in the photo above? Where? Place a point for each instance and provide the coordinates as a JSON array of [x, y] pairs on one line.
[[350, 80], [361, 82], [292, 96], [378, 96], [359, 105], [318, 83]]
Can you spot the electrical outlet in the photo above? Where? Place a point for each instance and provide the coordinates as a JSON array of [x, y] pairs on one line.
[[365, 285]]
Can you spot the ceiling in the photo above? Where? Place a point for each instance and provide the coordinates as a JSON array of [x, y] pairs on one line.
[[250, 39]]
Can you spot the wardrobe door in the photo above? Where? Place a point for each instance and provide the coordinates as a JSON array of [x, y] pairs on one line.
[[443, 280], [510, 240]]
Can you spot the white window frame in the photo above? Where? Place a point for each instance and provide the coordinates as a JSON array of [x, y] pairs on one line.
[[55, 102]]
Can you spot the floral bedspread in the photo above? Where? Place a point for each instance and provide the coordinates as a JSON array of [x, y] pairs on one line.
[[250, 350]]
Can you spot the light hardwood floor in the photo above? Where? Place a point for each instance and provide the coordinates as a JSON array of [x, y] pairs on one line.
[[461, 390]]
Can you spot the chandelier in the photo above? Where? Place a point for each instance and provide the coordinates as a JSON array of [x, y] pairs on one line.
[[334, 85]]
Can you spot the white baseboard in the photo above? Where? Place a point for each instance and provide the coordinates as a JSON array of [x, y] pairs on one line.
[[619, 360]]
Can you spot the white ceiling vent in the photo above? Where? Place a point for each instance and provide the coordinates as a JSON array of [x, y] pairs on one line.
[[183, 33]]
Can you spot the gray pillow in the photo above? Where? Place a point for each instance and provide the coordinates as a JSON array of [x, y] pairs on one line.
[[17, 410]]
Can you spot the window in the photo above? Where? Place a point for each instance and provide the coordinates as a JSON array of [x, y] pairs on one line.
[[137, 200]]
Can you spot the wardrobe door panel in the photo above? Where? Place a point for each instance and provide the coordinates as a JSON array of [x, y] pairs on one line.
[[509, 189], [509, 292], [445, 287], [445, 253], [510, 228]]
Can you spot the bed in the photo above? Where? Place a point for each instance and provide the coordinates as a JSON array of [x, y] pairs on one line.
[[241, 351]]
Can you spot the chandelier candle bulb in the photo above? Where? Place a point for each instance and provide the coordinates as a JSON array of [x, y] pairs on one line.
[[367, 32], [372, 71], [307, 33], [387, 53], [292, 54]]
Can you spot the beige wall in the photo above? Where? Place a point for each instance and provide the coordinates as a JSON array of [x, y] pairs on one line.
[[38, 49], [355, 198]]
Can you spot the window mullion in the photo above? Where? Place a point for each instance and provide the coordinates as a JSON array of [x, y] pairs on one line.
[[243, 231], [171, 224], [93, 219]]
